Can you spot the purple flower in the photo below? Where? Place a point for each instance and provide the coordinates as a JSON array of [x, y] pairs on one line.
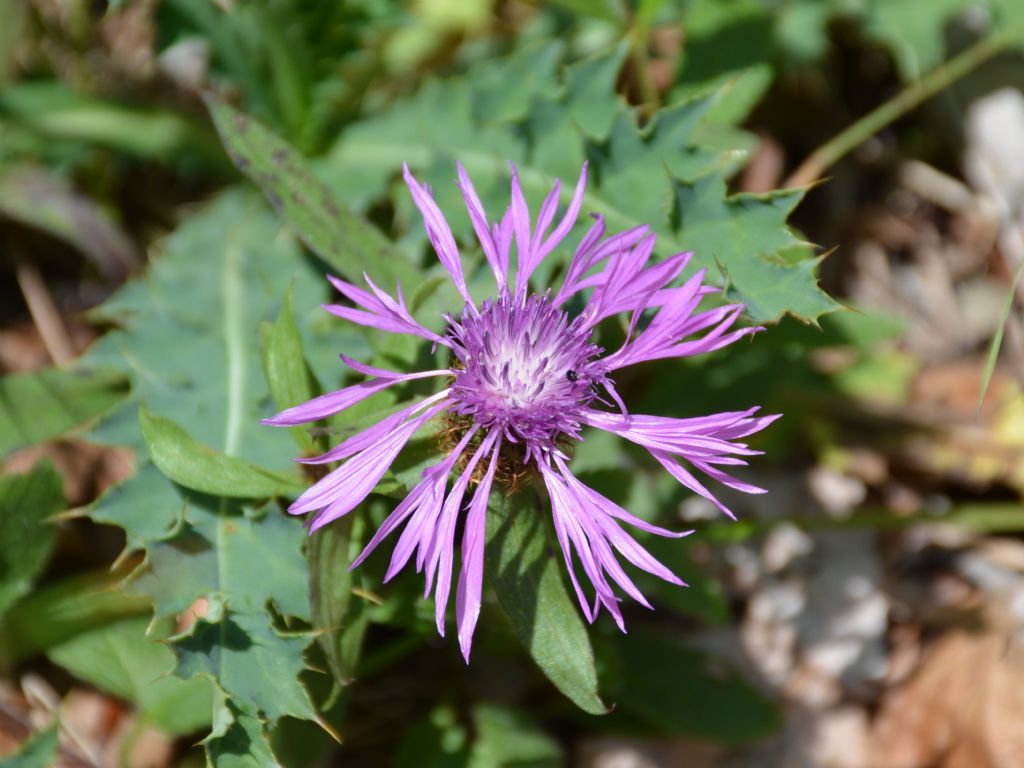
[[524, 378]]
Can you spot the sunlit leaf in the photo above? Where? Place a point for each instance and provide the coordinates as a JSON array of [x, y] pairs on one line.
[[527, 578], [665, 175], [193, 465], [344, 240]]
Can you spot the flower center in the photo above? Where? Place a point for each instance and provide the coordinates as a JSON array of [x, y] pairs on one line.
[[525, 368]]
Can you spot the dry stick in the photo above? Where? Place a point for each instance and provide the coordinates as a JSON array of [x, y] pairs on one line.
[[944, 75], [44, 312]]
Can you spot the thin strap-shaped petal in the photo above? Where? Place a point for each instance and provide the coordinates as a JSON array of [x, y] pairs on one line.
[[483, 233], [439, 233], [419, 530], [341, 490], [367, 437], [382, 373], [470, 588], [566, 224], [336, 402], [443, 555]]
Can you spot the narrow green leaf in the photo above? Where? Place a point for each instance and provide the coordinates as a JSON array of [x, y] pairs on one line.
[[288, 376], [196, 466], [40, 751], [997, 339], [51, 108], [528, 582], [117, 658], [45, 404], [25, 503], [338, 616], [346, 241]]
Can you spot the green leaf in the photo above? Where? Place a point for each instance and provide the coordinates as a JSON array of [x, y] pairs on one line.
[[45, 404], [240, 561], [671, 174], [675, 690], [339, 617], [250, 661], [193, 465], [52, 614], [243, 745], [288, 375], [527, 579], [50, 108], [344, 240], [117, 658], [25, 503], [508, 737], [184, 335], [40, 751]]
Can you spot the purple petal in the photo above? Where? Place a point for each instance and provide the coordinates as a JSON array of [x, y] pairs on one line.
[[470, 588]]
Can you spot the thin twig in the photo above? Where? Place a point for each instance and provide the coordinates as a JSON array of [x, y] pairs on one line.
[[944, 75], [44, 312]]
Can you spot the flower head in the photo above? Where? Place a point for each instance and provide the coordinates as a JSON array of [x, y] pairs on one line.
[[524, 378]]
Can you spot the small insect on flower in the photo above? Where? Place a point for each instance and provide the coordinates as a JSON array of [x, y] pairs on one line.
[[524, 378]]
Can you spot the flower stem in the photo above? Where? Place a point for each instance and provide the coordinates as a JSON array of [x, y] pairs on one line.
[[944, 75]]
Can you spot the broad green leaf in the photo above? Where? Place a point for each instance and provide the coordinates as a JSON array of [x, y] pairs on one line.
[[186, 336], [344, 240], [45, 404], [117, 658], [287, 373], [25, 503], [193, 465], [670, 174], [675, 690], [240, 561], [527, 579], [339, 617], [243, 745], [40, 751], [253, 664]]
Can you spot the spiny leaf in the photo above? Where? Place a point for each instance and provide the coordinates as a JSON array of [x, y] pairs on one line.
[[669, 174], [239, 561], [244, 744], [193, 465], [185, 335], [527, 580]]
